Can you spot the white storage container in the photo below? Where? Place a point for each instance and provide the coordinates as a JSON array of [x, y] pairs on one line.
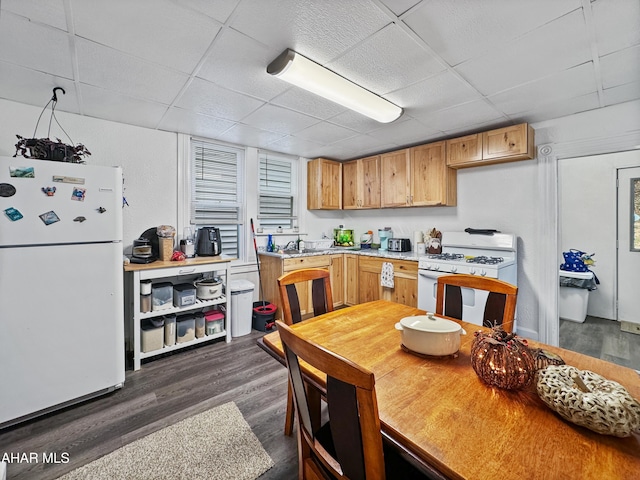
[[151, 335], [241, 307], [573, 301], [186, 328]]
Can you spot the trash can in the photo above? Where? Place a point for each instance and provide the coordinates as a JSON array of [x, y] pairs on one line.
[[241, 306], [574, 295]]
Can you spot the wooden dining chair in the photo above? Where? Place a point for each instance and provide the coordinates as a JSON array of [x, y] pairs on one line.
[[349, 444], [500, 308], [322, 302]]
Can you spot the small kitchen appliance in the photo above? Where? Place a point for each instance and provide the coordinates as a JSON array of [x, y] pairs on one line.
[[385, 234], [399, 245], [209, 243], [487, 255], [146, 249]]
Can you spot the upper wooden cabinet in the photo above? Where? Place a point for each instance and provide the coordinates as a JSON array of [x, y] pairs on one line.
[[464, 150], [417, 176], [361, 183], [495, 146], [324, 184]]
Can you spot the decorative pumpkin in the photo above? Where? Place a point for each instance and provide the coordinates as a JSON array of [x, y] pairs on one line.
[[590, 400], [502, 359]]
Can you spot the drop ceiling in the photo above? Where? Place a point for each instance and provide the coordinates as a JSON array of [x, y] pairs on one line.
[[199, 66]]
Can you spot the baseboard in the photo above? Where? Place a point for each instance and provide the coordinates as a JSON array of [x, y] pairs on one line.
[[630, 327]]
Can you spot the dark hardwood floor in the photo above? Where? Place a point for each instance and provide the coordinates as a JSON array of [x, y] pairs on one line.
[[165, 391]]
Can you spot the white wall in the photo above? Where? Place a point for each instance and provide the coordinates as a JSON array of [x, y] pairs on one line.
[[147, 157], [588, 221]]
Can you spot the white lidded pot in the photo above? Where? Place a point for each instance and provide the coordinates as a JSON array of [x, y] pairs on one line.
[[430, 335]]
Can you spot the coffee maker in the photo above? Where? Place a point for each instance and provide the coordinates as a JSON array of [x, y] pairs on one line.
[[209, 243], [385, 234]]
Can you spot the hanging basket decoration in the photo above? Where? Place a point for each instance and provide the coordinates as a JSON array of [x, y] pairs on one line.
[[502, 359], [47, 149], [590, 400]]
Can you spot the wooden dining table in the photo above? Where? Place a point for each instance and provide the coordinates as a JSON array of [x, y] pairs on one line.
[[440, 412]]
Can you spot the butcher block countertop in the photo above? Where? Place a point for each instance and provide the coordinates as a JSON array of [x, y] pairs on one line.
[[367, 252], [133, 267]]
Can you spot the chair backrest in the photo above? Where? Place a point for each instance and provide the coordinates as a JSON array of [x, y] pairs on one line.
[[500, 308], [350, 445], [322, 299]]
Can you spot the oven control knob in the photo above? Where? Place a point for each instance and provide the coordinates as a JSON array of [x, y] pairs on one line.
[[436, 267], [454, 269], [483, 273], [472, 271]]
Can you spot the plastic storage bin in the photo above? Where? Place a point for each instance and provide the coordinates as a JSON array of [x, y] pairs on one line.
[[185, 328], [214, 322], [169, 330], [184, 294], [241, 306], [151, 334], [199, 322], [161, 296], [574, 301]]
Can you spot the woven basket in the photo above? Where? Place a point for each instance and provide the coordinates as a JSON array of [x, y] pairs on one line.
[[607, 408]]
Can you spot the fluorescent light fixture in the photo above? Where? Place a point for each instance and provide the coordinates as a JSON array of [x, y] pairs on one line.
[[292, 67]]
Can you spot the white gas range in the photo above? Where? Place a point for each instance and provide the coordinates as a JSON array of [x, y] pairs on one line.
[[488, 255]]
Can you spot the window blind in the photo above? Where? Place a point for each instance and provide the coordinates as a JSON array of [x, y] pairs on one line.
[[216, 197], [276, 197]]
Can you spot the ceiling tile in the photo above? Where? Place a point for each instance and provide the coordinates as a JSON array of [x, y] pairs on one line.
[[318, 30], [399, 7], [50, 12], [461, 117], [567, 106], [571, 83], [464, 29], [210, 99], [32, 45], [325, 133], [36, 88], [407, 131], [620, 67], [110, 69], [355, 121], [107, 104], [386, 61], [365, 145], [246, 135], [622, 93], [239, 63], [278, 119], [435, 93], [553, 47], [173, 36], [219, 10], [185, 121], [617, 24], [298, 146], [306, 102]]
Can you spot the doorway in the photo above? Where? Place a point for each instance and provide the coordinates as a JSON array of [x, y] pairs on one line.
[[589, 204]]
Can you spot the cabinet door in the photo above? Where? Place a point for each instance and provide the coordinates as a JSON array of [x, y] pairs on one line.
[[337, 279], [394, 174], [350, 182], [464, 150], [351, 279], [370, 182], [324, 184], [508, 144], [432, 182], [369, 270], [405, 281]]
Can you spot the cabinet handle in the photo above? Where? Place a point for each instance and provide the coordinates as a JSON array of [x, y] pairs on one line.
[[408, 200], [411, 199], [188, 270]]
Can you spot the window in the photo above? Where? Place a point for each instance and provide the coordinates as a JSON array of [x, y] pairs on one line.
[[217, 191], [277, 191]]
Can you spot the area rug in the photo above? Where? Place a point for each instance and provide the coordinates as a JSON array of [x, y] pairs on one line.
[[215, 445]]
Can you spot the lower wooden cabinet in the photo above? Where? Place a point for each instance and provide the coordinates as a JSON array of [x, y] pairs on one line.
[[351, 279], [336, 268], [405, 288]]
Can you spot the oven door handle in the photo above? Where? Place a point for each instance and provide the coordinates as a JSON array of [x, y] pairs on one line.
[[432, 273]]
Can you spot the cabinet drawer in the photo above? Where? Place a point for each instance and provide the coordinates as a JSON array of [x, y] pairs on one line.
[[179, 270], [316, 261]]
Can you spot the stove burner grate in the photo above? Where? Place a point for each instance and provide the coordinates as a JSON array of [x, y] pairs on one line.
[[485, 260], [446, 256]]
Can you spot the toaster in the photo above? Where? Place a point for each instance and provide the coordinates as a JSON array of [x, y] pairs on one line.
[[399, 245]]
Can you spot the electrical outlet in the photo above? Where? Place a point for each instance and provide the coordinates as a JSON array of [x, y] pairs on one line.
[[630, 327]]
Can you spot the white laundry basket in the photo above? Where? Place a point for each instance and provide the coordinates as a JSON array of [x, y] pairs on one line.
[[574, 301], [241, 306]]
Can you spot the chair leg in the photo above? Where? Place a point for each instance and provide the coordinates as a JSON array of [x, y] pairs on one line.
[[288, 420]]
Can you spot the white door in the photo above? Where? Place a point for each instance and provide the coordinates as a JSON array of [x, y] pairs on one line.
[[628, 244]]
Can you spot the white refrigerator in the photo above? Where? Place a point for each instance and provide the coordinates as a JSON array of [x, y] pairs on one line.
[[61, 285]]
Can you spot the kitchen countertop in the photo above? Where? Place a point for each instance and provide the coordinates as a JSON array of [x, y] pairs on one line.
[[367, 252]]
